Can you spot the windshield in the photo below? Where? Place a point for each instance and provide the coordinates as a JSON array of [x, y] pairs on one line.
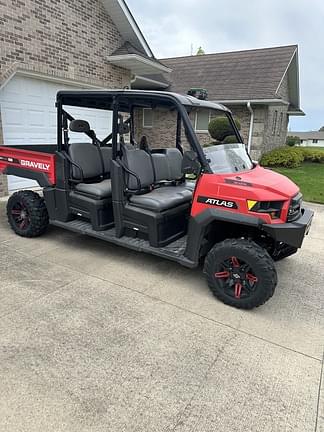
[[219, 140], [228, 158]]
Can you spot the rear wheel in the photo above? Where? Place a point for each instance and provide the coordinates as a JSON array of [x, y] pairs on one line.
[[240, 273], [27, 214]]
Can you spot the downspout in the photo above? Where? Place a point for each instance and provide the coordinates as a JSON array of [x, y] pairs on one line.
[[249, 107], [133, 79]]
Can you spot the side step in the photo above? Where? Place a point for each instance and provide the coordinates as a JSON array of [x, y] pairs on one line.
[[173, 251]]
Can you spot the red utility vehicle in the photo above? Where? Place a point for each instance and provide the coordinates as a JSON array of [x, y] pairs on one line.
[[237, 217]]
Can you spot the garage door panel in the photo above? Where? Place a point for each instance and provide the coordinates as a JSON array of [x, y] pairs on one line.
[[12, 116], [29, 117]]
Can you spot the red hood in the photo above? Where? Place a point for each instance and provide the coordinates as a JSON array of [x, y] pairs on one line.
[[265, 179]]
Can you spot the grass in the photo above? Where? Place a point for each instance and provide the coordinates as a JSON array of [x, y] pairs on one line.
[[309, 177]]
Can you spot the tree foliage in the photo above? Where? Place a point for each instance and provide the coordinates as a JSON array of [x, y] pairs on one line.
[[200, 51], [291, 141]]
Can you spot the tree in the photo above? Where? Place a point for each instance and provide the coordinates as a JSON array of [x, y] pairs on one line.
[[291, 141], [200, 51]]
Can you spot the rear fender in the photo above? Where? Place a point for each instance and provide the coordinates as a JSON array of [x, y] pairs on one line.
[[28, 164]]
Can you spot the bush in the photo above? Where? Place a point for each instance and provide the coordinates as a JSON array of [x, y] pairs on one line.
[[230, 139], [291, 141], [219, 128], [284, 156], [311, 154]]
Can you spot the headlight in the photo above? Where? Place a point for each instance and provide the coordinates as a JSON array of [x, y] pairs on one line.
[[295, 207], [273, 208]]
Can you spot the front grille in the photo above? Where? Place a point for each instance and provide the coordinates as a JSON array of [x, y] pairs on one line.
[[295, 207]]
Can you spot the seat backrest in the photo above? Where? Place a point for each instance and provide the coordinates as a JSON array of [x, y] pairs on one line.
[[139, 162], [161, 167], [174, 158], [87, 156]]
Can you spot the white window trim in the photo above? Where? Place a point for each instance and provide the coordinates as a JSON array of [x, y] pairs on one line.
[[145, 126], [196, 118]]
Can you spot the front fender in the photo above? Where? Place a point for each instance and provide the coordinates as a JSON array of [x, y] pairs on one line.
[[198, 225]]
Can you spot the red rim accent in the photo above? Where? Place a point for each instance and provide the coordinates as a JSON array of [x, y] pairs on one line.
[[236, 278], [235, 262], [20, 216], [222, 275], [251, 278], [238, 289]]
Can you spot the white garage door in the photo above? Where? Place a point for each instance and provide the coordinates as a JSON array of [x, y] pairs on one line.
[[29, 117]]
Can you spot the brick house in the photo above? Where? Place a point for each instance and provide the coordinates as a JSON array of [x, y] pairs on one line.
[[50, 45], [261, 87]]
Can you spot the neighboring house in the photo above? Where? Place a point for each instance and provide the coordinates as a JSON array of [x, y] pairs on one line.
[[50, 45], [309, 139], [260, 86]]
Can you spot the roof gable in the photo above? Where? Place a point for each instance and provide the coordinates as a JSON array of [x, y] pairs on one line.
[[127, 26], [241, 75]]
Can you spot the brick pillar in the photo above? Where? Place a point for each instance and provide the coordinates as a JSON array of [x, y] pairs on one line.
[[3, 178]]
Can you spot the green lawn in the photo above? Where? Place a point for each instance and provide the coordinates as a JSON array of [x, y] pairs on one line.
[[310, 178]]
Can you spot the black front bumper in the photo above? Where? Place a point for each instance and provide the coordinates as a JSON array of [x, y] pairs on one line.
[[291, 233]]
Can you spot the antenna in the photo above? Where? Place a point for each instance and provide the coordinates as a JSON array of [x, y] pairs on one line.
[[191, 49]]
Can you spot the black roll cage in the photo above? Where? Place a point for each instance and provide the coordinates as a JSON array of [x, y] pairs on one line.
[[115, 102]]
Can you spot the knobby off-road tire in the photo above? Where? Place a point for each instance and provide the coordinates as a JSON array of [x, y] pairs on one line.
[[240, 273], [27, 214]]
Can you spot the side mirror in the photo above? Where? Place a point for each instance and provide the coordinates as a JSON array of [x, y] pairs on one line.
[[79, 126], [190, 163]]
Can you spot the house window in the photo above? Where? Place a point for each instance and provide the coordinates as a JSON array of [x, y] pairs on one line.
[[274, 124], [202, 121], [280, 124], [315, 141], [147, 117]]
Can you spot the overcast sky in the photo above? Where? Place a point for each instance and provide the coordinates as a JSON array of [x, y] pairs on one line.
[[171, 26]]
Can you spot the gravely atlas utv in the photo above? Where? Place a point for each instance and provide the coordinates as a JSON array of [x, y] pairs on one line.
[[236, 217]]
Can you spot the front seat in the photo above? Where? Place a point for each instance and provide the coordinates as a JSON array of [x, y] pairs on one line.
[[90, 170]]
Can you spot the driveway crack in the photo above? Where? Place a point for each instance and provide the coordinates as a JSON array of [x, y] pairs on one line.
[[185, 413], [319, 394]]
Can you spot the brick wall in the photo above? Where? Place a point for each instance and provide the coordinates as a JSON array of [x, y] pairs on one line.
[[264, 138], [68, 39]]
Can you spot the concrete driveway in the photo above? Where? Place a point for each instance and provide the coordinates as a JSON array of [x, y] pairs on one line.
[[98, 338]]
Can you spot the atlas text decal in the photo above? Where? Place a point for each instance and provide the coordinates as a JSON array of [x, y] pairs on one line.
[[218, 202]]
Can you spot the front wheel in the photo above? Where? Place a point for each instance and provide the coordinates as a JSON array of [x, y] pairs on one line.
[[240, 273]]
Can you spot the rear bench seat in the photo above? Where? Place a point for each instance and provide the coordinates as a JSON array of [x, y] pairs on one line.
[[153, 172], [87, 157]]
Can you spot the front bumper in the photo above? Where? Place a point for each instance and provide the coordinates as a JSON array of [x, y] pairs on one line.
[[291, 233]]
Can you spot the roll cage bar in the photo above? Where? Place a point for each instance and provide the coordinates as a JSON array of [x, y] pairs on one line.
[[124, 101]]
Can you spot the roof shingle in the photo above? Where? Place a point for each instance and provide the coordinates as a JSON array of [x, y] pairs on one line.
[[240, 75]]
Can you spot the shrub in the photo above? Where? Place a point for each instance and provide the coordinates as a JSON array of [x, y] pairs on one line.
[[291, 141], [230, 139], [311, 154], [219, 128], [283, 156]]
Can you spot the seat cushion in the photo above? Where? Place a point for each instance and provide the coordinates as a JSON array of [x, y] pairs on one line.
[[97, 190], [163, 198]]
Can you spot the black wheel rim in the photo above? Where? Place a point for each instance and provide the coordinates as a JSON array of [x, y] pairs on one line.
[[20, 216], [236, 278]]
